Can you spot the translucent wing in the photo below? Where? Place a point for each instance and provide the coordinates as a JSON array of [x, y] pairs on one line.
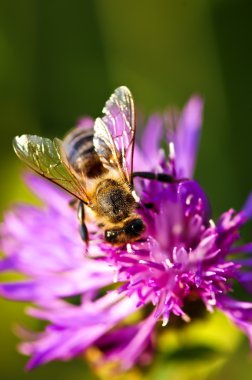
[[48, 158], [114, 134]]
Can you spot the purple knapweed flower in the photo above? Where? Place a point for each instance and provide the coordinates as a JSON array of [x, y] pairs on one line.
[[183, 256]]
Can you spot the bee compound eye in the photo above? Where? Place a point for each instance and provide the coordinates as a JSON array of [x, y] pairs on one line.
[[136, 227], [111, 236]]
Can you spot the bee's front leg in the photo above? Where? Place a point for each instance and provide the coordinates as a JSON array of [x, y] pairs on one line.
[[161, 177], [81, 218]]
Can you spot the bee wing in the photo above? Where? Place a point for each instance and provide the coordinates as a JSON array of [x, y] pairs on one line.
[[47, 158], [114, 134]]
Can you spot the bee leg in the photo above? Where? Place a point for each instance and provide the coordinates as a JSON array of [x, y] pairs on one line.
[[81, 218], [162, 177]]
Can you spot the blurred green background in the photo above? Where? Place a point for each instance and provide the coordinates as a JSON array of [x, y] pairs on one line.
[[60, 60]]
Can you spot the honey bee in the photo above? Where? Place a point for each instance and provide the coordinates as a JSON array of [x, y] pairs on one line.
[[95, 165]]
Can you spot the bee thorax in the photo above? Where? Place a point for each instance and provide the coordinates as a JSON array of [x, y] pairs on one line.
[[113, 200]]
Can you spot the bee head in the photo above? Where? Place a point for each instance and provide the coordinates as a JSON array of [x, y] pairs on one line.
[[131, 231]]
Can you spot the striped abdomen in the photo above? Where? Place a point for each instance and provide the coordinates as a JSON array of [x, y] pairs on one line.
[[81, 154]]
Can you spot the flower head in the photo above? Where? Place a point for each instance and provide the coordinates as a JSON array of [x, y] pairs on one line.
[[182, 257]]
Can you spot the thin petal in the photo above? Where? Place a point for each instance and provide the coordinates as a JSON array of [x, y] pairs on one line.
[[186, 137], [152, 137], [239, 312], [62, 284], [85, 122], [58, 342], [247, 208]]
